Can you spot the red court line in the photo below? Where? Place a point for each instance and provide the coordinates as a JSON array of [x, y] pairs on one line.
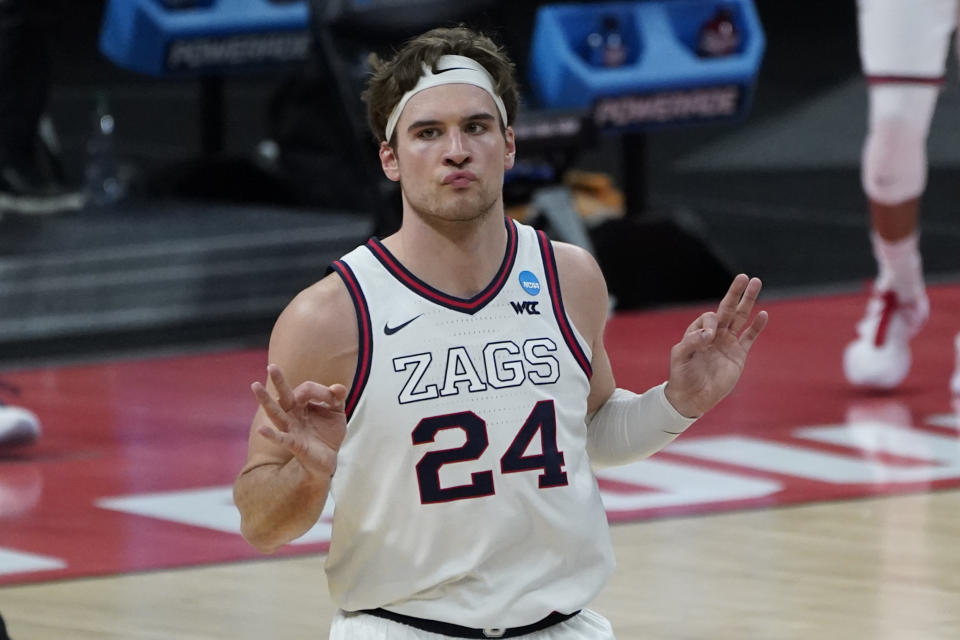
[[180, 423]]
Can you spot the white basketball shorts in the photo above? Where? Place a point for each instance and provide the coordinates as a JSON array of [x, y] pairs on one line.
[[587, 625], [905, 38]]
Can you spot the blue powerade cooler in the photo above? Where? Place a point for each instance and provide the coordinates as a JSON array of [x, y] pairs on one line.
[[196, 37], [661, 77]]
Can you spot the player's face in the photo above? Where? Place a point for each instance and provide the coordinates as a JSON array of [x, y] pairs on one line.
[[450, 154]]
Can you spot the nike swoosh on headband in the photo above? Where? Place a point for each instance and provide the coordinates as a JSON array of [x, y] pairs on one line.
[[450, 70]]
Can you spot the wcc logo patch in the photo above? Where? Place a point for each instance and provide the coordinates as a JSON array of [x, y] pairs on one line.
[[528, 307]]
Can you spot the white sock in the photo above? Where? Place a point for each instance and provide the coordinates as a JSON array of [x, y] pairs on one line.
[[900, 266]]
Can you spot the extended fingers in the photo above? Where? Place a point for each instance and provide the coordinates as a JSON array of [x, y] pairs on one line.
[[728, 305], [753, 331], [284, 392], [274, 435], [745, 306], [271, 407], [737, 305], [297, 446]]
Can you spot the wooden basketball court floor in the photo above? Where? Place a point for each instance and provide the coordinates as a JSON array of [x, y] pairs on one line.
[[799, 508]]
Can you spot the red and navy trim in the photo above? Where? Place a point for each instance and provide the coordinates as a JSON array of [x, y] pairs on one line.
[[553, 283], [365, 331], [875, 79], [421, 288]]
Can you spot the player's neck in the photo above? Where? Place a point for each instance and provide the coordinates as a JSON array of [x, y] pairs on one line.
[[460, 259]]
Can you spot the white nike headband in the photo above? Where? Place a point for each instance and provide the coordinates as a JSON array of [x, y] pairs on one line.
[[450, 70]]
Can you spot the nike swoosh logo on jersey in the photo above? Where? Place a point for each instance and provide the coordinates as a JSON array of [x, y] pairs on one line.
[[387, 329]]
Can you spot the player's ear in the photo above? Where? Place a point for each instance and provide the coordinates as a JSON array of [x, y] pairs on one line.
[[510, 155], [388, 162]]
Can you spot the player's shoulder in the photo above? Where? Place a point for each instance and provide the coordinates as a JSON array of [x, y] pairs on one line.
[[577, 268], [315, 336], [320, 313], [583, 287]]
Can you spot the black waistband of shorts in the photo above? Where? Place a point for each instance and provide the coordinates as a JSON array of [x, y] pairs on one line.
[[458, 631]]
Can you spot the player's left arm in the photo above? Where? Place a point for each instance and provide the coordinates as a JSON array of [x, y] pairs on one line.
[[587, 302], [704, 366]]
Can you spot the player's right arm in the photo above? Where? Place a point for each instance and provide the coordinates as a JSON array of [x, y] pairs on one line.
[[300, 424]]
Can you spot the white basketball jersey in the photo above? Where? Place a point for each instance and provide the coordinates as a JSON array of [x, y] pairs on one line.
[[463, 490]]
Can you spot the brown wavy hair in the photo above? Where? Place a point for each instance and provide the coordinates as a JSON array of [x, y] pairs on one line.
[[394, 77]]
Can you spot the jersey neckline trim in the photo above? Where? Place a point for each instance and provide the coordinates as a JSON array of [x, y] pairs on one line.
[[424, 290]]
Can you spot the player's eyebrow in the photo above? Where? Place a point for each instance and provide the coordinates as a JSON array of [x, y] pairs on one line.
[[481, 115]]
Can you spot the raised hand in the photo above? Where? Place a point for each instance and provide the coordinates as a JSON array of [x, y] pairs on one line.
[[309, 421], [706, 364]]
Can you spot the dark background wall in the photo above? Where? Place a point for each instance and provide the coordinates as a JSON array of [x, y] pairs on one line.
[[776, 195], [809, 50]]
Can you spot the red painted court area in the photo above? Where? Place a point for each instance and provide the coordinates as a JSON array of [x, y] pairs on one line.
[[134, 469]]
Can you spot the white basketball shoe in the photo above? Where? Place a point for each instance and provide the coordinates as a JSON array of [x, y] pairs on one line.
[[18, 426], [880, 356]]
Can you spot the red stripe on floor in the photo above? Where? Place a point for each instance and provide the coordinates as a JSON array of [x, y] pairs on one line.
[[166, 427]]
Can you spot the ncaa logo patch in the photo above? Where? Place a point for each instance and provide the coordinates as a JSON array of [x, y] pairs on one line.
[[529, 283]]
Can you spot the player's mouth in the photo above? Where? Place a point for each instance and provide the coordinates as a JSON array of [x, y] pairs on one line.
[[460, 179]]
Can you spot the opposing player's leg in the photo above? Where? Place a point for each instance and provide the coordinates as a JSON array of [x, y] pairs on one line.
[[894, 174], [903, 49]]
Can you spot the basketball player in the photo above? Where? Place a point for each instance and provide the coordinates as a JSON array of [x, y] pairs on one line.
[[448, 386], [903, 50]]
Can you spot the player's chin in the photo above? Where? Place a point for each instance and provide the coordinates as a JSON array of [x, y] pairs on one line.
[[463, 209]]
